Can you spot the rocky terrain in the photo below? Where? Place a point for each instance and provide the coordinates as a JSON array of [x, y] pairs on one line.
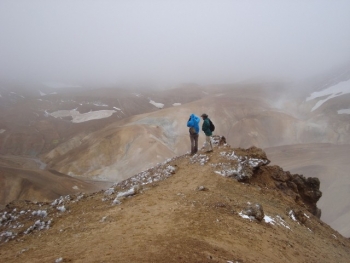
[[230, 205], [93, 136]]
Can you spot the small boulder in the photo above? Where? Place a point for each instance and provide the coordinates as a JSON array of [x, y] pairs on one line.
[[300, 216], [255, 211]]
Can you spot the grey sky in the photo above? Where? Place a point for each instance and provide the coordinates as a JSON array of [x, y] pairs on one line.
[[171, 41]]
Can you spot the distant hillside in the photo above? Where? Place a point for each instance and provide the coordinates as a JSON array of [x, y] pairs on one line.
[[23, 180], [33, 122], [126, 146]]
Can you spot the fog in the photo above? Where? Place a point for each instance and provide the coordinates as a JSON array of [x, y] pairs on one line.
[[82, 41]]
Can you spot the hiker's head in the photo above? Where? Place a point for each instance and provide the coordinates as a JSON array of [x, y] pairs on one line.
[[204, 116]]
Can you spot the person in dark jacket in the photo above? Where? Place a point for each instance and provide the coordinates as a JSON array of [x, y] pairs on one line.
[[193, 124], [208, 133]]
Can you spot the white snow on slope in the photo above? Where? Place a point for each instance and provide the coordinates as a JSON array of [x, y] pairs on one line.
[[176, 104], [334, 91], [157, 104], [42, 93], [94, 115], [78, 117], [277, 220], [119, 110], [100, 104], [344, 111]]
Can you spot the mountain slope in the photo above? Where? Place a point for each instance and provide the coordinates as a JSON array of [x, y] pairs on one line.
[[34, 123], [127, 146], [183, 210]]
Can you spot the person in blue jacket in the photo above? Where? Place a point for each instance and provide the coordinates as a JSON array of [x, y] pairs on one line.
[[208, 132], [193, 124]]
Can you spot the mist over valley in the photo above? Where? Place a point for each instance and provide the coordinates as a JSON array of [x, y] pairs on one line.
[[95, 98]]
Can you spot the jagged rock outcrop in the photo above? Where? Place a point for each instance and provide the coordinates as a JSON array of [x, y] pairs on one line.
[[305, 191], [251, 166], [309, 190]]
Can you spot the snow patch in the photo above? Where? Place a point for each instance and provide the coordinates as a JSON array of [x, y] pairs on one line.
[[157, 104], [109, 191], [100, 104], [119, 110], [276, 221], [177, 104], [41, 213], [292, 215], [344, 111], [7, 235], [244, 216], [82, 117], [202, 159], [38, 225], [331, 92], [268, 219], [127, 193], [61, 208]]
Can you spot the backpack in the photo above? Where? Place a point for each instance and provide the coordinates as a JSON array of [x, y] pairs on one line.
[[192, 130], [212, 126]]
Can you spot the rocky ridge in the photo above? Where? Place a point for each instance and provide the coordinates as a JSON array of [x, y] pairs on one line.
[[224, 206]]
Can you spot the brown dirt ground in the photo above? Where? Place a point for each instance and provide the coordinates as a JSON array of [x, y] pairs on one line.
[[171, 221]]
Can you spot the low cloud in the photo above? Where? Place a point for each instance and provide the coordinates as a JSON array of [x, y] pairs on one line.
[[108, 42]]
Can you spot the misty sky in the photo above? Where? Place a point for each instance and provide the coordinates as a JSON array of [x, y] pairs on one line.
[[82, 41]]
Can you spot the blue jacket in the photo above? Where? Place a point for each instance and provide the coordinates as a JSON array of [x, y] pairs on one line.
[[194, 122]]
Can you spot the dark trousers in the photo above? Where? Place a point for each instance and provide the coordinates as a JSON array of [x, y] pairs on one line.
[[194, 143]]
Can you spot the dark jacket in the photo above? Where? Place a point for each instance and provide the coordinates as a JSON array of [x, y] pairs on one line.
[[206, 127]]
